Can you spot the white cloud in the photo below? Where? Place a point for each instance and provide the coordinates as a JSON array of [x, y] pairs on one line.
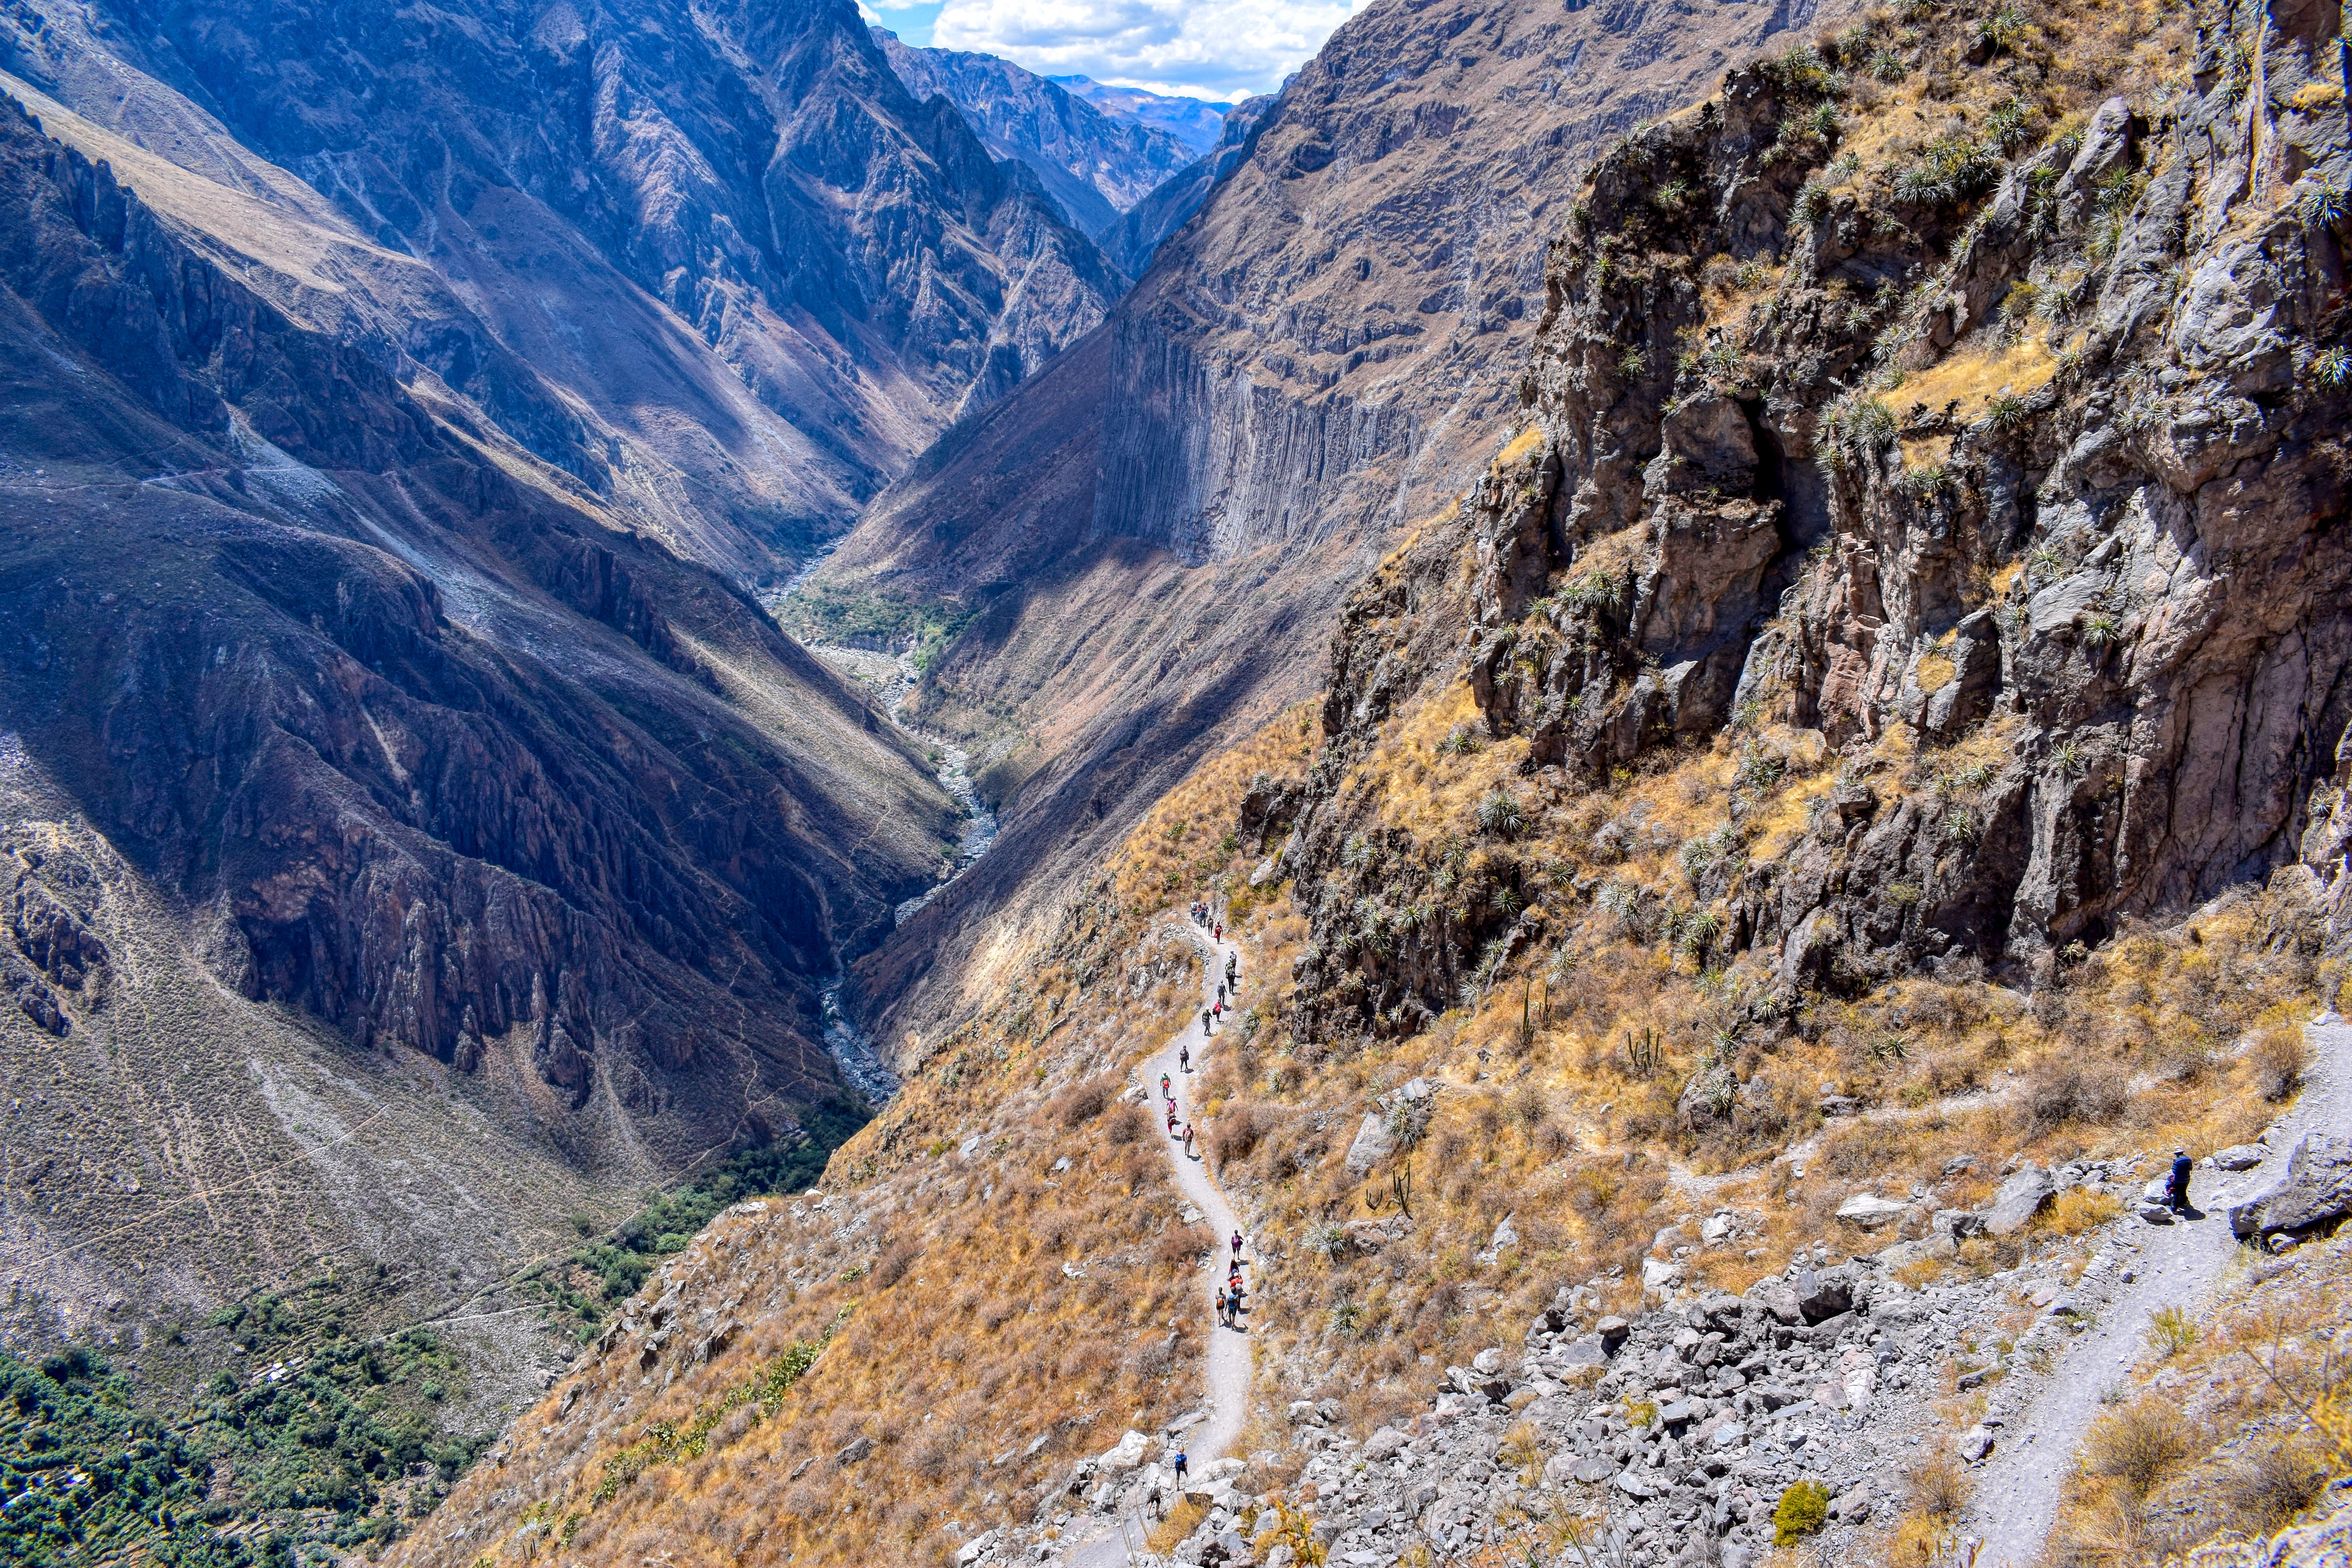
[[1205, 49]]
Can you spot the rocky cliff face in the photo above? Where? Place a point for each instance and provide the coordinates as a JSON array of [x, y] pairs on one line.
[[1097, 165], [763, 269], [382, 806], [2001, 459], [1316, 358]]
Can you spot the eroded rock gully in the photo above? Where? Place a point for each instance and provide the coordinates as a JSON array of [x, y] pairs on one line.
[[2042, 471]]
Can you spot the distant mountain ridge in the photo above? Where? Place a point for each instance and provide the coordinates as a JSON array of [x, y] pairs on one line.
[[1096, 162], [1192, 120]]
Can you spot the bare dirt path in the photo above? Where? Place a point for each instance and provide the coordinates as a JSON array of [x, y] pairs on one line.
[[2177, 1265], [1227, 1394]]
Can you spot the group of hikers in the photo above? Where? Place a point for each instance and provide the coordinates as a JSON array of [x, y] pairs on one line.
[[1232, 1301], [1228, 989]]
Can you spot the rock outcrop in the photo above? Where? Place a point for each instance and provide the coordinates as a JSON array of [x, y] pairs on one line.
[[2014, 445]]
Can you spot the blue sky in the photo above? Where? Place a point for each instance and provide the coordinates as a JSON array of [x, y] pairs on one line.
[[1214, 49]]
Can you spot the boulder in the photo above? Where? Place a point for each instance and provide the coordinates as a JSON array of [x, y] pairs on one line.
[[978, 1549], [1868, 1211], [2315, 1186], [1975, 1443], [1505, 1234], [1822, 1294], [1612, 1332], [1775, 1296], [1128, 1454], [1488, 1361], [1657, 1274], [2239, 1157], [2020, 1197], [1384, 1444], [1586, 1351], [1371, 1146]]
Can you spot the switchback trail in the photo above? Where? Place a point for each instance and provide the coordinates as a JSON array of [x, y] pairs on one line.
[[2177, 1265], [1227, 1396]]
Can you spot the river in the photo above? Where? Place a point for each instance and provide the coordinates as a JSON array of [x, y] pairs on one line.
[[894, 677]]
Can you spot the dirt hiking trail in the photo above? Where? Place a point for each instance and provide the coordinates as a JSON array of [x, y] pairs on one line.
[[2177, 1265], [1227, 1396]]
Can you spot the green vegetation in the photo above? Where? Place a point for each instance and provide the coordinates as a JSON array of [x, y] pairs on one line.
[[315, 1437], [589, 1282], [1804, 1508], [821, 613], [665, 1442]]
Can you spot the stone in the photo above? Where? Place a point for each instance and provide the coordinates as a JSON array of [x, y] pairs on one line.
[[2315, 1186], [1128, 1454], [1730, 1435], [2019, 1199], [1822, 1295], [978, 1549], [1659, 1274], [1488, 1361], [1612, 1332], [2154, 1213], [1505, 1234], [1974, 1444], [1384, 1444], [2239, 1157], [853, 1452], [1868, 1211], [1593, 1472], [1373, 1144]]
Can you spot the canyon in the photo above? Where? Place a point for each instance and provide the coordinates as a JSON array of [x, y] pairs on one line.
[[1678, 674]]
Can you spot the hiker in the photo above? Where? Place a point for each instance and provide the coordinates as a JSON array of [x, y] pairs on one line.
[[1237, 1244], [1221, 992], [1164, 1089], [1188, 1140], [1205, 1017], [1221, 1307], [1184, 1466], [2176, 1191], [1185, 1058], [1221, 931]]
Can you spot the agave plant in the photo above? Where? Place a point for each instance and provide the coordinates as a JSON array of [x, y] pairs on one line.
[[1500, 812]]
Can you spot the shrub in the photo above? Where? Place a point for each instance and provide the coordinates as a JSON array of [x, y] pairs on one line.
[[2066, 1091], [2078, 1209], [2139, 1444], [2273, 1484], [1937, 1487], [1084, 1100], [896, 1259], [1237, 1132], [1804, 1508], [2281, 1056], [1126, 1124], [2171, 1330]]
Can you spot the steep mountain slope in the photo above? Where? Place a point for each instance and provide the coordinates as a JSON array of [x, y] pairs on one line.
[[1133, 241], [1317, 358], [1192, 120], [1096, 164], [762, 271], [1704, 1025], [405, 854]]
